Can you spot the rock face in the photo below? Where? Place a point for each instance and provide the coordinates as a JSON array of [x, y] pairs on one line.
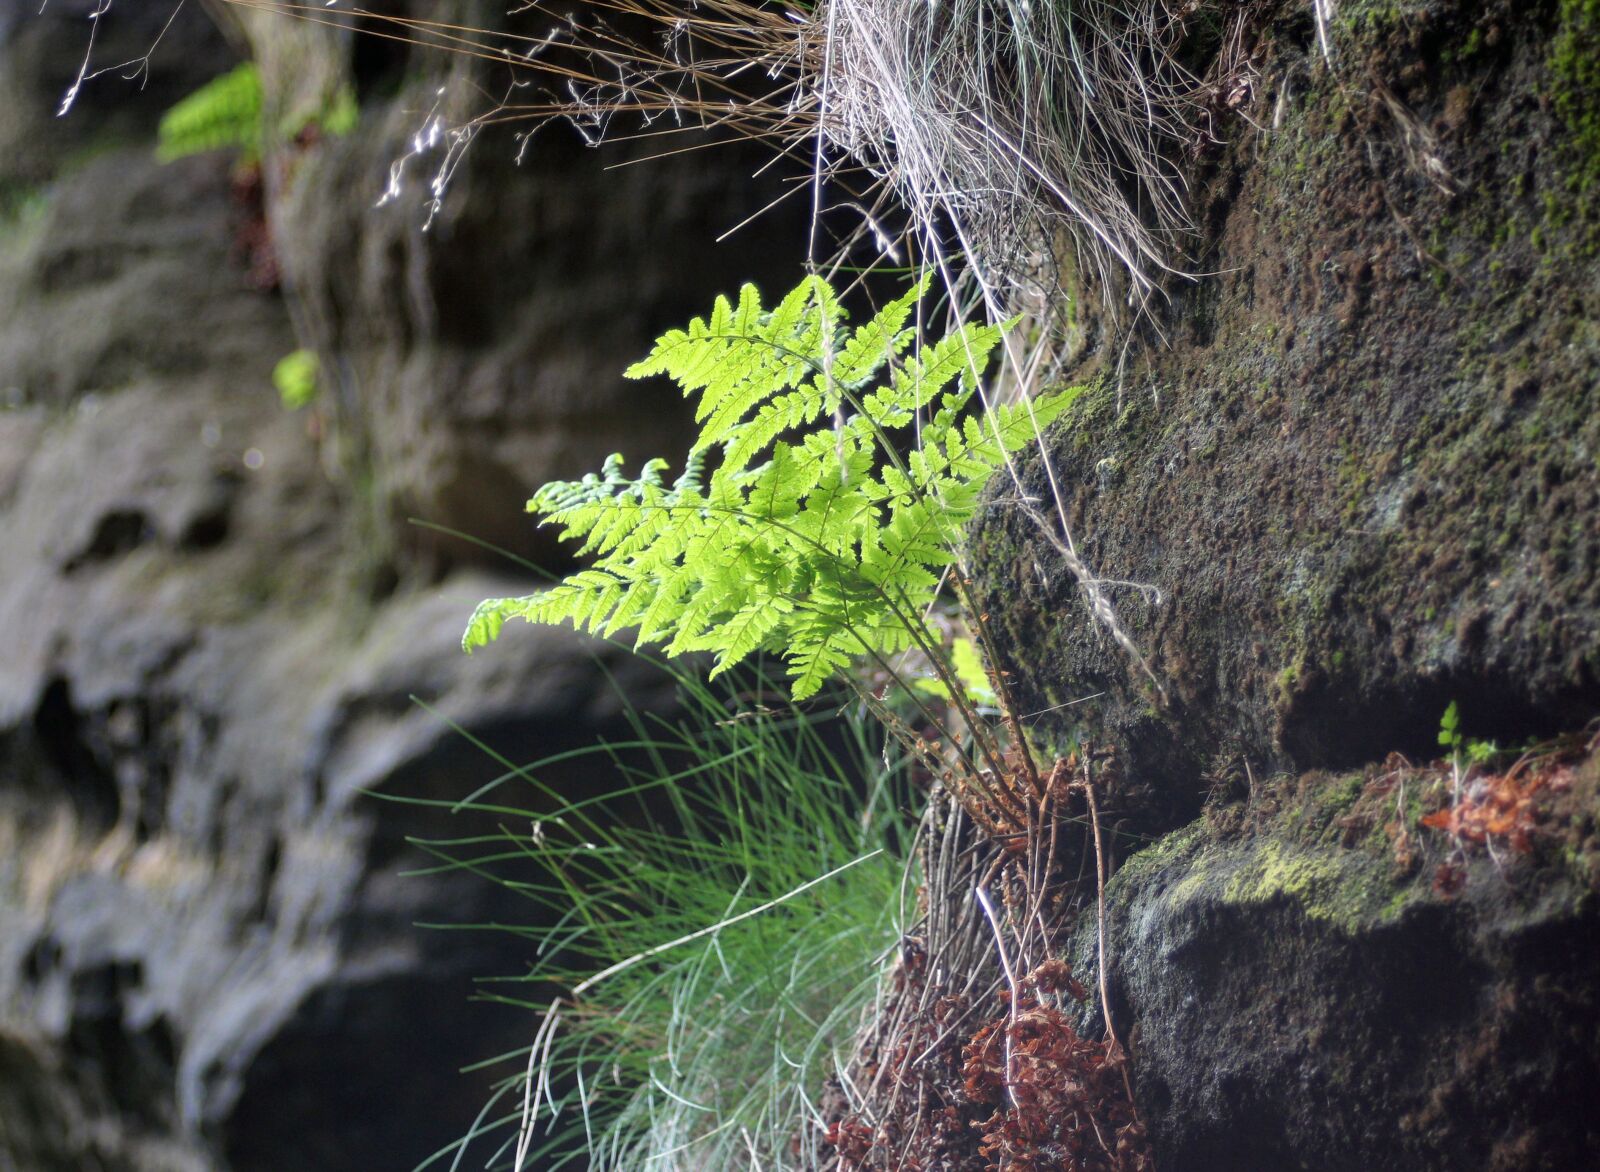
[[1362, 471], [213, 618]]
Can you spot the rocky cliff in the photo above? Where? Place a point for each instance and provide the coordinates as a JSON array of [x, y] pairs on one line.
[[1358, 463]]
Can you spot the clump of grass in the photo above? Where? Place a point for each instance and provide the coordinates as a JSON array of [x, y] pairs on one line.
[[1010, 122], [704, 934]]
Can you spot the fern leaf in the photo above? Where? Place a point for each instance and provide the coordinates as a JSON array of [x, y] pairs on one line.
[[964, 353], [783, 413], [820, 652], [666, 602], [225, 112], [830, 547], [487, 618], [776, 493], [584, 599], [813, 292], [917, 535], [747, 630], [880, 340], [838, 514]]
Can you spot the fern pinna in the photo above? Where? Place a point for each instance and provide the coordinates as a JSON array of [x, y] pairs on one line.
[[225, 112], [832, 544]]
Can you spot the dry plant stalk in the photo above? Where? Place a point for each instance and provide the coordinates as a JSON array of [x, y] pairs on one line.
[[972, 1060]]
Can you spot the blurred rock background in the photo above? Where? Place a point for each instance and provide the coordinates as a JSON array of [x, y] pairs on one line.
[[214, 612]]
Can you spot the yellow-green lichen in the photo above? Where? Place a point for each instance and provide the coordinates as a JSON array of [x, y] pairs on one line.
[[1342, 888], [1174, 853], [1346, 889]]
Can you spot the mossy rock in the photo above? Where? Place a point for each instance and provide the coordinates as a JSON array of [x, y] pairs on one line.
[[1363, 468], [1310, 978]]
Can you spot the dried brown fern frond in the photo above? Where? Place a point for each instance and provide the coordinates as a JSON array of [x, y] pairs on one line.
[[972, 1057]]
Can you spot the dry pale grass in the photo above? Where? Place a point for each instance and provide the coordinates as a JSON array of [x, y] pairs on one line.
[[993, 138]]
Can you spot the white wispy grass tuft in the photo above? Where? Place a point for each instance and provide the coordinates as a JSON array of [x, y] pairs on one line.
[[1004, 123], [705, 934]]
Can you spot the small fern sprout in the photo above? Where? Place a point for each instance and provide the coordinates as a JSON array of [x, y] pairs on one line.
[[796, 527]]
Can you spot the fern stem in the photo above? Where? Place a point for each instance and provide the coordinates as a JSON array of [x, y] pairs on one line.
[[1008, 704]]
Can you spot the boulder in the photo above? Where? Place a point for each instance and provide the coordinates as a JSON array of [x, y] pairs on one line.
[[1309, 977]]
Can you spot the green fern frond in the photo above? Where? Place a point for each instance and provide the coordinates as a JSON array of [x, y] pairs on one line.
[[225, 112], [228, 113], [881, 340], [833, 545]]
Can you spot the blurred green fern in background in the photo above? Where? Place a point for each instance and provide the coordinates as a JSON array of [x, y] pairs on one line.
[[228, 112], [223, 113]]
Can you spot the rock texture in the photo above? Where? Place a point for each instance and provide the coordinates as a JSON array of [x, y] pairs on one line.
[[213, 617], [1304, 992], [1362, 469]]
